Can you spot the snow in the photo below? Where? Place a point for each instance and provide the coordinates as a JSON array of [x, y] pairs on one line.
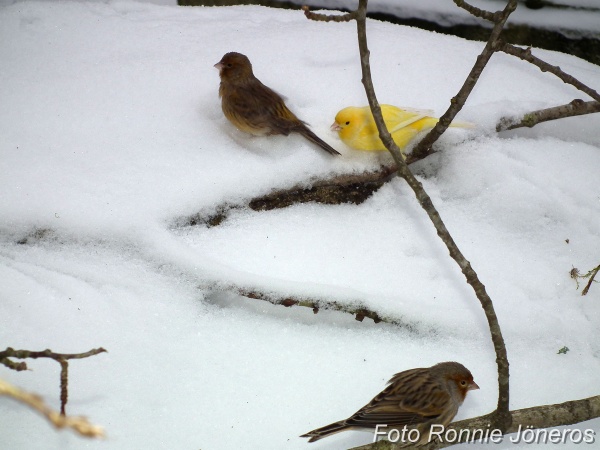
[[111, 135]]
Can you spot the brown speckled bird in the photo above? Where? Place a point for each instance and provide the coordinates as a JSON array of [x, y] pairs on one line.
[[253, 107], [417, 398]]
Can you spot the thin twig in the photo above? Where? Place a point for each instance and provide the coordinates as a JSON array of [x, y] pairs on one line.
[[356, 308], [576, 107], [576, 275], [526, 55], [13, 365], [64, 384], [593, 274], [61, 358], [482, 13], [316, 305], [457, 102], [78, 424], [22, 354]]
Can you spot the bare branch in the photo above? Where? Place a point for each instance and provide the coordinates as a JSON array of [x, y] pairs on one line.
[[575, 108], [61, 358], [526, 55], [457, 102], [593, 274], [501, 417], [13, 365], [64, 383], [78, 424], [537, 417], [576, 275], [476, 11], [22, 354]]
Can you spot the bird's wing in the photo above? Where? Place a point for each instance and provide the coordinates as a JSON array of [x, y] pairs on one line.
[[256, 109], [398, 118], [270, 108], [412, 397]]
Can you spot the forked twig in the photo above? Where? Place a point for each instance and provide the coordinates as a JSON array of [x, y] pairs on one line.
[[424, 147], [61, 358]]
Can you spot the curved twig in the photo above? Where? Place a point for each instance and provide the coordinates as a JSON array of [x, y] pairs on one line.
[[526, 55], [575, 108], [473, 10], [78, 424], [328, 17]]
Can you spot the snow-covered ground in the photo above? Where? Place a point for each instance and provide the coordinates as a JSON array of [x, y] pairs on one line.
[[111, 132]]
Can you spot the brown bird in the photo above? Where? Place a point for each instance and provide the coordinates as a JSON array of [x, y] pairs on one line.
[[253, 107], [416, 398]]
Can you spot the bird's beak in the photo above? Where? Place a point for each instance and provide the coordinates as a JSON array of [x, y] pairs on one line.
[[219, 66], [473, 386], [335, 127]]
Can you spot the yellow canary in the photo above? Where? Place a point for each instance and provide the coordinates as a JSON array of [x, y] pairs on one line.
[[356, 126]]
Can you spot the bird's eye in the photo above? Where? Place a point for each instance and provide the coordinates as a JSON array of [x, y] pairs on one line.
[[229, 65], [463, 383], [348, 123]]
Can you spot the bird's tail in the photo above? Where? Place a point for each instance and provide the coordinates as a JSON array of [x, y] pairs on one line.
[[327, 430], [459, 124], [429, 122], [308, 134]]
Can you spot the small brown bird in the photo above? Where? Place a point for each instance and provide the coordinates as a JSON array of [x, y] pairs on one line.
[[253, 107], [416, 398]]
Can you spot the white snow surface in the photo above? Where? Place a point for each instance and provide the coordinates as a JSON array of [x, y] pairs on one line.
[[111, 136]]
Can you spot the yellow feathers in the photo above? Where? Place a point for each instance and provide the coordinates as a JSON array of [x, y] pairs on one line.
[[356, 126]]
